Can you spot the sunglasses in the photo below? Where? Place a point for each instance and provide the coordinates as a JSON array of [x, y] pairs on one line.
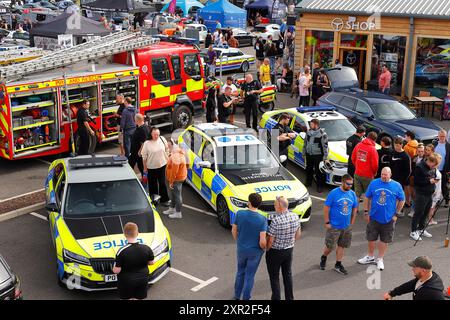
[[349, 183]]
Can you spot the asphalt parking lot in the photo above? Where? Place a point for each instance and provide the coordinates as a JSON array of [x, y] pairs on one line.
[[204, 254]]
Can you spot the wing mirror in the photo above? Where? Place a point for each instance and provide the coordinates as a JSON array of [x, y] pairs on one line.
[[51, 207], [283, 158], [155, 198], [204, 164]]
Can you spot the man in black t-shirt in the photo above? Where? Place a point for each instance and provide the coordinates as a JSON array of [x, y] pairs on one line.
[[131, 266], [140, 135], [285, 137], [225, 105], [84, 130], [250, 91]]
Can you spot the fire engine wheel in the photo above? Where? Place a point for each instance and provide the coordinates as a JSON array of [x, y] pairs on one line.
[[223, 213], [244, 66], [182, 117], [265, 107]]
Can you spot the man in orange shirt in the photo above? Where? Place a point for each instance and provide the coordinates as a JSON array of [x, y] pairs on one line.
[[384, 83], [176, 173]]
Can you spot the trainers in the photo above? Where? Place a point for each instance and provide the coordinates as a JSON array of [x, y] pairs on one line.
[[415, 236], [169, 211], [366, 260], [380, 264], [176, 215], [323, 262], [339, 268], [400, 214], [411, 213], [425, 233], [432, 222]]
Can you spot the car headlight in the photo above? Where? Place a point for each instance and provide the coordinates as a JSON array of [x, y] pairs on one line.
[[303, 198], [239, 203], [161, 248], [73, 257], [339, 164]]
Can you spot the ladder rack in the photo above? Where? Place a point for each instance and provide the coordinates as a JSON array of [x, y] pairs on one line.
[[118, 42]]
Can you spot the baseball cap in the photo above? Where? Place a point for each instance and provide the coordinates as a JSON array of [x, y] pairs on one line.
[[421, 262]]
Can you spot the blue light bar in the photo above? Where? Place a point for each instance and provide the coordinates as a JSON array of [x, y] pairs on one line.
[[316, 109], [100, 161]]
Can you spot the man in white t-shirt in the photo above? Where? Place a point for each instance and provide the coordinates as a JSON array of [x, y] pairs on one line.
[[234, 93]]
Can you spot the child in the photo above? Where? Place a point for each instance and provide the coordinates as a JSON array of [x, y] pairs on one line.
[[437, 195]]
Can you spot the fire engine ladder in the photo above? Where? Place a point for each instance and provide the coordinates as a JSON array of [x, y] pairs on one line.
[[19, 55], [103, 47]]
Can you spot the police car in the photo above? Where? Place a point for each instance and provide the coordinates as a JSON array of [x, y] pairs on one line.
[[337, 127], [231, 59], [89, 200], [228, 163]]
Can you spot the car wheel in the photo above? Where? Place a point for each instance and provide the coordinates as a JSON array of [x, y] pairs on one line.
[[245, 67], [265, 107], [182, 117], [223, 212]]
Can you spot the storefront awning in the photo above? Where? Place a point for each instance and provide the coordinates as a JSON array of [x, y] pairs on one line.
[[436, 9]]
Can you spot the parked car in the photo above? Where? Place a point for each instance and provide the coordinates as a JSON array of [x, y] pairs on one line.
[[231, 59], [17, 37], [265, 30], [202, 30], [62, 5], [163, 22], [380, 113], [9, 282], [432, 73], [342, 79], [245, 38], [118, 17], [47, 5]]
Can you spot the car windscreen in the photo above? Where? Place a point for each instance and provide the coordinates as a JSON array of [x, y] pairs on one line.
[[392, 110], [4, 273], [98, 199], [343, 78], [337, 130], [244, 157]]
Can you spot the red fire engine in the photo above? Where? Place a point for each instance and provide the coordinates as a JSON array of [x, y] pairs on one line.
[[39, 99]]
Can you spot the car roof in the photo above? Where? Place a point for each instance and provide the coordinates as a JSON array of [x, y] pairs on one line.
[[97, 173], [221, 129], [321, 113], [365, 95]]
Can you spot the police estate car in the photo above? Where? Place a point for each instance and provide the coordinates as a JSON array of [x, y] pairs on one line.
[[89, 200], [231, 59], [337, 127], [228, 163]]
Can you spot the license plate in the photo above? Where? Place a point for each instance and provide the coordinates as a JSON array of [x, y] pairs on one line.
[[110, 277]]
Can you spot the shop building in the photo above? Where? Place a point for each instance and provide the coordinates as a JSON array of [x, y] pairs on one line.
[[410, 37]]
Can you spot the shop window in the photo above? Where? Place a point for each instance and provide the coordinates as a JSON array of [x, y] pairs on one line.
[[353, 40], [160, 69], [191, 65], [388, 51], [432, 66], [319, 48]]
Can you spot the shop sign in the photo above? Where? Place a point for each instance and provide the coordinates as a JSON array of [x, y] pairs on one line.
[[338, 24]]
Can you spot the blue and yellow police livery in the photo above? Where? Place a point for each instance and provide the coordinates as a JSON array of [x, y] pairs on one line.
[[337, 127], [227, 164], [89, 200]]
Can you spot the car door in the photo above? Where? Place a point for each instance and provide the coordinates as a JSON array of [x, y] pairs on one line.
[[299, 126], [161, 82], [193, 142], [59, 184], [208, 174]]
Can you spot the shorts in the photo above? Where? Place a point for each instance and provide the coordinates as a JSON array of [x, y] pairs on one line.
[[343, 238], [120, 138], [435, 201], [133, 288], [377, 230], [361, 185]]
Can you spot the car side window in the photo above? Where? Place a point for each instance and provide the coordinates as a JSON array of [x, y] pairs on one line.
[[299, 125], [362, 107], [160, 69], [176, 67], [348, 103], [60, 190], [196, 143], [334, 98], [208, 152], [58, 171], [187, 138], [191, 65]]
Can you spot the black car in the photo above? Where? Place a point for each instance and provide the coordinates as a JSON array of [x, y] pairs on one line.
[[9, 282], [380, 113]]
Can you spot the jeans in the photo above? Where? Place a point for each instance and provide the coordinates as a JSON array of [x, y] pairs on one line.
[[385, 91], [422, 207], [276, 259], [127, 135], [157, 183], [212, 69], [444, 185], [175, 195], [245, 277], [272, 62]]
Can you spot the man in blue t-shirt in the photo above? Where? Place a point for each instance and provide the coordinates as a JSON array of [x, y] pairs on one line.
[[340, 211], [249, 229], [384, 201]]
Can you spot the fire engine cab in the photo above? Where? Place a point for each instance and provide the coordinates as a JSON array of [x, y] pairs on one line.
[[39, 99]]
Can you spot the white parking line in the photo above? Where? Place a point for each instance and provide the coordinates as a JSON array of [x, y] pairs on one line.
[[201, 211], [201, 283], [318, 198], [37, 215], [22, 195], [43, 161]]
